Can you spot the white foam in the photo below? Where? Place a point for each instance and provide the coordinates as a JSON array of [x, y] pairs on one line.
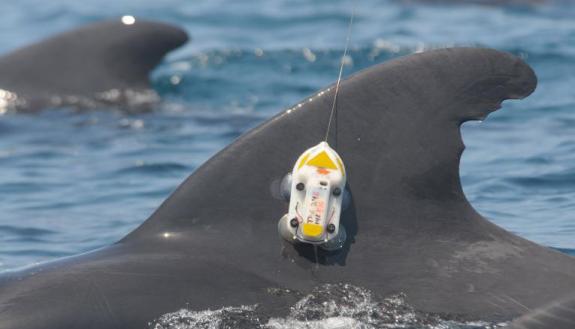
[[330, 306]]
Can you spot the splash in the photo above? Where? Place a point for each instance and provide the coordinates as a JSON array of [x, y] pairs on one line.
[[130, 101], [7, 101], [227, 317], [329, 306]]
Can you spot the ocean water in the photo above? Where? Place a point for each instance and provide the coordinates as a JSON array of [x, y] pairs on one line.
[[74, 181]]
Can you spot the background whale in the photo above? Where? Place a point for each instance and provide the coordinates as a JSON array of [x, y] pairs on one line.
[[104, 63], [214, 242]]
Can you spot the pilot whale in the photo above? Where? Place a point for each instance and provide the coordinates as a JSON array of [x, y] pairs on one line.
[[410, 228], [101, 63]]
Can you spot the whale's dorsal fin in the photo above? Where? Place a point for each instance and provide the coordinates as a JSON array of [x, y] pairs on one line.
[[214, 243], [397, 130], [90, 59]]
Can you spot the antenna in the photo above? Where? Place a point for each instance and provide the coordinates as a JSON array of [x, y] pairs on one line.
[[343, 57]]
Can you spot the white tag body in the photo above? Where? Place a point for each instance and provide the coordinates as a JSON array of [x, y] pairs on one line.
[[318, 184]]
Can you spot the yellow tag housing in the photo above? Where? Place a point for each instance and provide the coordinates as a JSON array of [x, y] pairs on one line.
[[312, 230]]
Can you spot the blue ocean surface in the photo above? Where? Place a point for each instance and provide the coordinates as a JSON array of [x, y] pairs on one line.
[[74, 181]]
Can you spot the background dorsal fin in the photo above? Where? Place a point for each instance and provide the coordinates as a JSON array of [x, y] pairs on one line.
[[93, 58]]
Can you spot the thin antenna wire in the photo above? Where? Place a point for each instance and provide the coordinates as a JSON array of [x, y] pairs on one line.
[[340, 70]]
